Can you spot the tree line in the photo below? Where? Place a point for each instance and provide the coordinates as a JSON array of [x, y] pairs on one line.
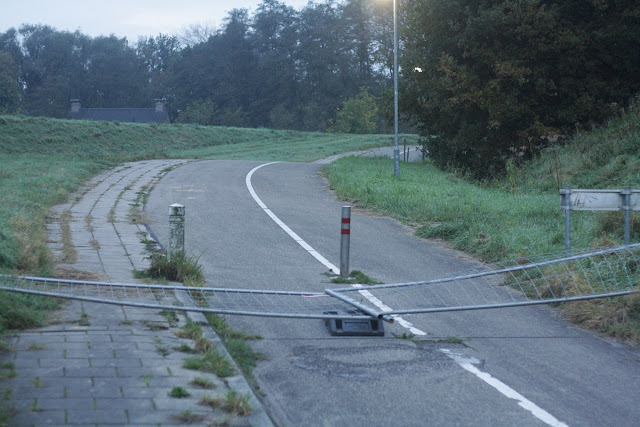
[[278, 67], [486, 82]]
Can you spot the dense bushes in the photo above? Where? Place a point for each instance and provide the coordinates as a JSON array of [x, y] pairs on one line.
[[501, 79]]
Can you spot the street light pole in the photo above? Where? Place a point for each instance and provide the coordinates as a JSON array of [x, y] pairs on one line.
[[396, 149]]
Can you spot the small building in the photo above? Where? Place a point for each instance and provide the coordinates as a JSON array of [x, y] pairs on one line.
[[124, 115]]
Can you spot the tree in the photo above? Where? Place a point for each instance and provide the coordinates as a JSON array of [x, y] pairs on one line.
[[201, 111], [53, 63], [323, 64], [357, 17], [500, 76], [278, 67], [196, 34], [282, 118], [157, 56], [274, 39], [115, 76], [9, 85], [357, 115]]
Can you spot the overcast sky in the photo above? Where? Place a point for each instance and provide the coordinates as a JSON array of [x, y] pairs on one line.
[[124, 18]]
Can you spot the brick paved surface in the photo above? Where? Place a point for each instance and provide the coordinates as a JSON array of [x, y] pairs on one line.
[[99, 364]]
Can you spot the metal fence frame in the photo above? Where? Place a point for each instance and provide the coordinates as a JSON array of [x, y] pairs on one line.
[[340, 304]]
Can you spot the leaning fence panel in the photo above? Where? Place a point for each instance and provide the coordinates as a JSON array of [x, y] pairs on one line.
[[541, 279], [246, 302]]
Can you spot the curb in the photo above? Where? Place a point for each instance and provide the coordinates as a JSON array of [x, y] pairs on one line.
[[259, 418]]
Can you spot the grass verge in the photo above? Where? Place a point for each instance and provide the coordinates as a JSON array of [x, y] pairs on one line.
[[186, 269], [517, 215], [487, 222], [178, 267], [232, 403], [21, 311], [209, 359], [355, 277]]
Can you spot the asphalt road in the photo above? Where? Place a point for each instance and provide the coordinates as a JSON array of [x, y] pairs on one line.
[[517, 366]]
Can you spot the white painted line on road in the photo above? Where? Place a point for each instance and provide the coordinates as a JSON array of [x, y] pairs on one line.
[[468, 364], [284, 226], [375, 301], [384, 307]]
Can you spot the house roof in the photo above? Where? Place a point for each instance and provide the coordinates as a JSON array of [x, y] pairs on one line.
[[124, 115]]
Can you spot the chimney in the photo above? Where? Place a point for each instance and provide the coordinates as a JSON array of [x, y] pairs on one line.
[[160, 105], [75, 105]]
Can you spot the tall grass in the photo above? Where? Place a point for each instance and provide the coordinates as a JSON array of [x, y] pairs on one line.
[[29, 186], [487, 222], [517, 215], [605, 157]]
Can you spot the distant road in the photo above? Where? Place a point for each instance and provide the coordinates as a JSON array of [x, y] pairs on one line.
[[409, 153], [518, 366]]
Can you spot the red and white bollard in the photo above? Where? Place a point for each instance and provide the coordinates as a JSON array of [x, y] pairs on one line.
[[345, 241]]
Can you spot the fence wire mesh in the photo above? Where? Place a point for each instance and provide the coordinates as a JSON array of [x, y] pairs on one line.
[[540, 279], [267, 303]]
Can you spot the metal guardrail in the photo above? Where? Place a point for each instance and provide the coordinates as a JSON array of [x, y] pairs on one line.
[[625, 200], [542, 279]]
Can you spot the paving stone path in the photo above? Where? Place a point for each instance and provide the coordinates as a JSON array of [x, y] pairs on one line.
[[99, 364]]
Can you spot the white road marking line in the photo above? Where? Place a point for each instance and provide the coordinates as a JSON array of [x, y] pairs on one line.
[[383, 307], [368, 295], [464, 362], [468, 364], [284, 226]]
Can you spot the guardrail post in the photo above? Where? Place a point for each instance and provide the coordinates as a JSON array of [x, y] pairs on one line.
[[345, 240], [176, 228], [566, 206], [627, 214]]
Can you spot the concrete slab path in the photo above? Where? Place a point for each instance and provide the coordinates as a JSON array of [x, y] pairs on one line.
[[98, 364]]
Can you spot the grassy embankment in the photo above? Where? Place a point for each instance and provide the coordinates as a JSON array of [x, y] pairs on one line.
[[519, 214], [43, 160]]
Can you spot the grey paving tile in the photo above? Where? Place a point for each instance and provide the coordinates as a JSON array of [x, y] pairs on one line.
[[27, 363], [113, 391], [40, 338], [173, 404], [133, 403], [115, 363], [91, 372], [43, 372], [64, 363], [85, 354], [52, 390], [72, 404], [154, 371], [167, 418], [100, 417], [77, 337], [38, 418], [169, 382]]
